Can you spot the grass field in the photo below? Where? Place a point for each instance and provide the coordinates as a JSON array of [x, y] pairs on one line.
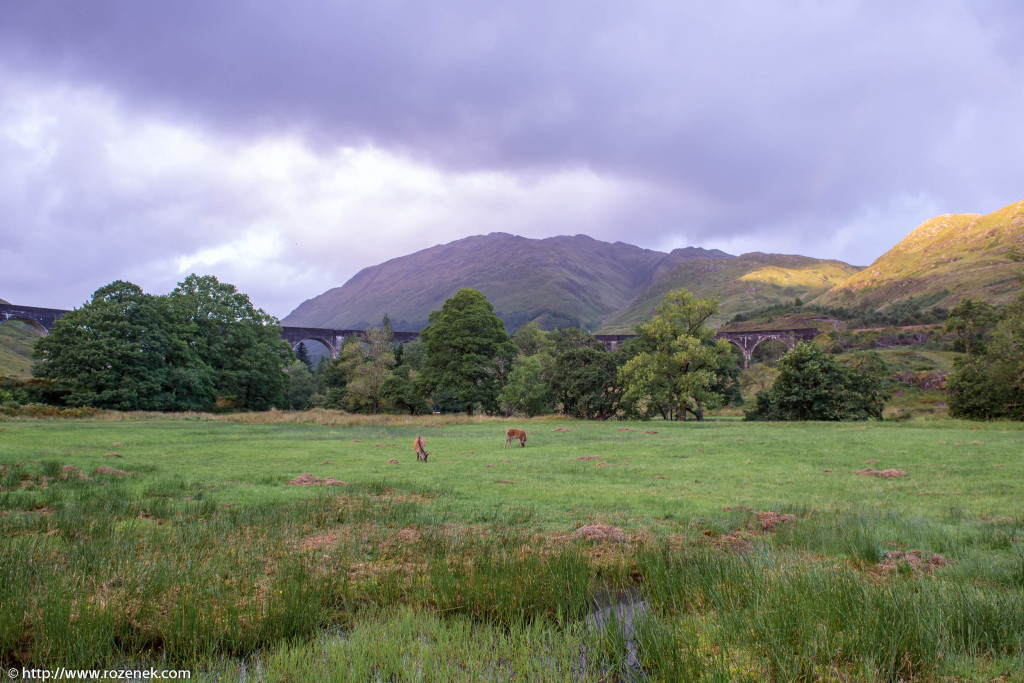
[[742, 551]]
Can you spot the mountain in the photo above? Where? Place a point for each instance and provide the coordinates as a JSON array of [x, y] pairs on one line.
[[741, 284], [561, 281], [941, 261]]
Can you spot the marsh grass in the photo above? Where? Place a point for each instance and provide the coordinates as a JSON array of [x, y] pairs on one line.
[[202, 557]]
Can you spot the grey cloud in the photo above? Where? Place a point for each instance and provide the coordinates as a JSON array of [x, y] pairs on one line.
[[786, 118]]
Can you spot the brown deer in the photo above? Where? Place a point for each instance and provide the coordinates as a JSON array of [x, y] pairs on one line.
[[421, 450], [515, 434]]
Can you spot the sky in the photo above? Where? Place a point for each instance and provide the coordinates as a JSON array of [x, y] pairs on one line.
[[283, 147]]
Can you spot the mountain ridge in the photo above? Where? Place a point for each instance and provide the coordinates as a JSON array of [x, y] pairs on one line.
[[941, 261], [561, 281]]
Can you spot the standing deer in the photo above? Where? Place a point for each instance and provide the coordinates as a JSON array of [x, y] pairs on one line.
[[515, 434], [421, 450]]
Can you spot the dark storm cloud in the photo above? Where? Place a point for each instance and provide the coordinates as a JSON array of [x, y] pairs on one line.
[[799, 126]]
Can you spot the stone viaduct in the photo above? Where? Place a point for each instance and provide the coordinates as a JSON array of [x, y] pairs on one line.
[[42, 320]]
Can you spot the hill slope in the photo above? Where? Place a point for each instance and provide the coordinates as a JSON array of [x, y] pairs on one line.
[[16, 342], [941, 261], [741, 284], [561, 281]]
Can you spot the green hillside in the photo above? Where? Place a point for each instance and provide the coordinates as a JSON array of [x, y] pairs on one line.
[[16, 341], [563, 282], [941, 261], [557, 282], [744, 283]]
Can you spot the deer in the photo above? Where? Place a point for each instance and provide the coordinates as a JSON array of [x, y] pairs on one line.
[[421, 450], [515, 434]]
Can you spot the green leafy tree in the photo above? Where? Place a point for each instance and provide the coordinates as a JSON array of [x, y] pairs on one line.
[[369, 365], [680, 367], [467, 348], [531, 340], [582, 378], [527, 389], [811, 385], [301, 385], [969, 320], [239, 342], [125, 350], [990, 383]]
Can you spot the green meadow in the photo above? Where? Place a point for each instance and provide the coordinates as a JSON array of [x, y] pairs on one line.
[[730, 551]]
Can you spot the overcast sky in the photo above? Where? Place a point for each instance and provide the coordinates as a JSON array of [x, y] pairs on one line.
[[285, 146]]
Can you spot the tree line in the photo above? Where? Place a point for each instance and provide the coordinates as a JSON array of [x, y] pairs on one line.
[[205, 346]]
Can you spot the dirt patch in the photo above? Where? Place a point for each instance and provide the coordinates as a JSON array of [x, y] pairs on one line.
[[561, 429], [310, 480], [589, 457], [826, 470], [650, 432], [465, 452], [884, 474], [113, 455], [490, 465], [914, 559], [599, 532], [658, 476], [505, 482], [605, 464], [317, 542], [392, 462], [69, 471], [872, 461], [768, 520], [407, 536], [626, 429], [357, 440], [111, 470], [326, 463]]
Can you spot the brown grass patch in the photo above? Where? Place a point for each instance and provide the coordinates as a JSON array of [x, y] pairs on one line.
[[392, 462], [113, 455], [599, 532], [884, 474], [589, 457], [561, 429], [914, 559], [111, 470], [310, 480]]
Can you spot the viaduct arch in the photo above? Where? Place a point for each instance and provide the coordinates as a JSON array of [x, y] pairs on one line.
[[41, 319], [748, 340]]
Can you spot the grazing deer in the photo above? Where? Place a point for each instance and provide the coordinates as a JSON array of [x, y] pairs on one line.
[[516, 434], [421, 451]]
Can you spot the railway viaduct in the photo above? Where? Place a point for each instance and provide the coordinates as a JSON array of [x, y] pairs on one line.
[[42, 319]]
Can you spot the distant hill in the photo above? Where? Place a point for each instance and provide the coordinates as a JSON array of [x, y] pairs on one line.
[[557, 282], [561, 282], [743, 283], [941, 261]]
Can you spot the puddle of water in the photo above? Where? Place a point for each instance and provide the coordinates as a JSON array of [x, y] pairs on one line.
[[616, 614]]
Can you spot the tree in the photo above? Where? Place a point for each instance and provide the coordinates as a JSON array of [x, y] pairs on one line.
[[990, 383], [969, 320], [125, 350], [239, 342], [369, 366], [527, 389], [302, 353], [582, 377], [680, 366], [812, 385], [466, 345]]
